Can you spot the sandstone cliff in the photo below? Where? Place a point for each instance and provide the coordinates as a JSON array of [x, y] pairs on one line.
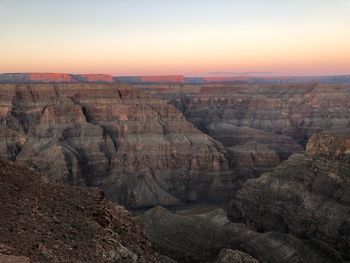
[[307, 196], [139, 150], [44, 222]]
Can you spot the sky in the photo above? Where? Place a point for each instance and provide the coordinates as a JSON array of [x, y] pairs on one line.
[[189, 37]]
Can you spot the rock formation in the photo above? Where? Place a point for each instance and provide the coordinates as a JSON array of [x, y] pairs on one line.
[[13, 259], [45, 222], [234, 256], [307, 196], [197, 238], [6, 255], [281, 117], [253, 155], [139, 150]]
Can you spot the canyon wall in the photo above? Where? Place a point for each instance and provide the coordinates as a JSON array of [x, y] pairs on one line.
[[141, 151], [199, 237], [307, 196], [280, 118], [116, 137]]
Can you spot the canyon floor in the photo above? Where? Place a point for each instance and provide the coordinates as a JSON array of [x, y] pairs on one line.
[[212, 172]]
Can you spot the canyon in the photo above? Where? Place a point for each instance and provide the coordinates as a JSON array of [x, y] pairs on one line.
[[199, 237], [298, 212], [141, 151], [260, 125], [273, 153], [307, 196]]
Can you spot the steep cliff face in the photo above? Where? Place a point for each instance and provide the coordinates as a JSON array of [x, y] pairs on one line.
[[253, 155], [281, 117], [140, 150], [199, 237], [44, 222], [294, 110], [307, 196]]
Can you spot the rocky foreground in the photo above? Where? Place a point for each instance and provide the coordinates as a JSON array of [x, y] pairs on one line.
[[43, 222], [141, 151], [307, 196]]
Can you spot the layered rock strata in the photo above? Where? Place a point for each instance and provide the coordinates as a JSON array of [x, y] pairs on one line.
[[307, 196], [197, 238], [139, 150], [294, 110], [281, 117]]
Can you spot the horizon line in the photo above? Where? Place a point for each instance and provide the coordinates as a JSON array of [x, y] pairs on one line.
[[204, 75]]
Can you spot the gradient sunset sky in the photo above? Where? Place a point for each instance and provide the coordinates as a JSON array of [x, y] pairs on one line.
[[190, 37]]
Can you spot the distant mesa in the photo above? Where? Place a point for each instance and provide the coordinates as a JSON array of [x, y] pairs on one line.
[[164, 79], [50, 77]]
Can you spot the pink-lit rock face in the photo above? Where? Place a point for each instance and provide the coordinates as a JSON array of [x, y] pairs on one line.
[[141, 151], [50, 77]]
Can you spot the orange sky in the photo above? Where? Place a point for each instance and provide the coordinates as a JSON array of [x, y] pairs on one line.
[[189, 37]]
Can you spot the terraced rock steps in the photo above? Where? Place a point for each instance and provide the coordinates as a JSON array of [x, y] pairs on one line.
[[200, 237], [307, 196], [141, 151]]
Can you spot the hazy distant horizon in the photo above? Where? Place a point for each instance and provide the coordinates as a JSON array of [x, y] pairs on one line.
[[204, 75]]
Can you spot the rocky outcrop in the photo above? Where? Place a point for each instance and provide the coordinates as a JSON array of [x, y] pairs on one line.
[[197, 238], [45, 222], [13, 259], [307, 196], [139, 150], [234, 256], [7, 255], [332, 146]]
